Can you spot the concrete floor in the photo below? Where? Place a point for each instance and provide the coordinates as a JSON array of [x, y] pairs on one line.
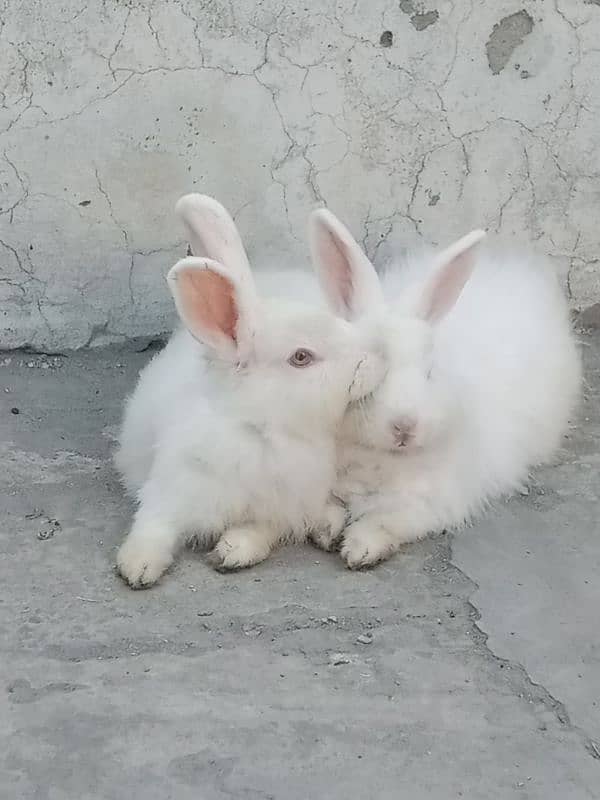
[[478, 673]]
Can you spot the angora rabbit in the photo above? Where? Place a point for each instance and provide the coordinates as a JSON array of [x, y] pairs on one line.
[[229, 436], [483, 375]]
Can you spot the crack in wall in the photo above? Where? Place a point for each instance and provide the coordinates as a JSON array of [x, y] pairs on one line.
[[11, 209], [104, 194]]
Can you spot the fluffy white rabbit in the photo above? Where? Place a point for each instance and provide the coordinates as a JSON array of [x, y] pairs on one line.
[[483, 375], [229, 435]]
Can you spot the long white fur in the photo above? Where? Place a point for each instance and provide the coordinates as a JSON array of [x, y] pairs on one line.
[[488, 390], [231, 445]]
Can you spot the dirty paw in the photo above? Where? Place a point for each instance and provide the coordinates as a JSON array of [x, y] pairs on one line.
[[329, 534], [141, 564], [240, 548], [366, 545]]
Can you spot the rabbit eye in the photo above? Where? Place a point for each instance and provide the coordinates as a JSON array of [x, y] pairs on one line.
[[301, 358]]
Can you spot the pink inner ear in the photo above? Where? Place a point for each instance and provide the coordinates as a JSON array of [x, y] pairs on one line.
[[209, 303], [339, 275], [448, 285]]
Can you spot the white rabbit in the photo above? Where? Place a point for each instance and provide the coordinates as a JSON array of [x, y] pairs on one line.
[[483, 375], [230, 433]]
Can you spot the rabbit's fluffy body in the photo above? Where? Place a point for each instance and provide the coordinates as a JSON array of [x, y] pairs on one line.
[[212, 443], [473, 398], [461, 372], [226, 440]]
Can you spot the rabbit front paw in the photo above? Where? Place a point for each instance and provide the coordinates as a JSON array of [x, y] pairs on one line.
[[365, 544], [328, 535], [241, 547], [141, 561]]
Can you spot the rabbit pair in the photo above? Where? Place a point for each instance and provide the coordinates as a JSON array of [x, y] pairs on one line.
[[229, 437], [454, 382], [482, 376]]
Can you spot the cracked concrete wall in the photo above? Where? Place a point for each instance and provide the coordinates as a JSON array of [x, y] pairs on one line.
[[405, 117]]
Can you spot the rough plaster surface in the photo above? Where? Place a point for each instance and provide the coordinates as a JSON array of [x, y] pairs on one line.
[[406, 117], [466, 667]]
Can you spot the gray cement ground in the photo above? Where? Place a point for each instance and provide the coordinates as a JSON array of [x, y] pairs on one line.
[[476, 674]]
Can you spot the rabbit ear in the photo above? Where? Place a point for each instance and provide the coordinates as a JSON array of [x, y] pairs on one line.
[[347, 277], [214, 306], [212, 232], [455, 266]]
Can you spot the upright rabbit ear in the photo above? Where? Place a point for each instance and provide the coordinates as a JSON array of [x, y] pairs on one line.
[[347, 277], [212, 233], [214, 306], [455, 265]]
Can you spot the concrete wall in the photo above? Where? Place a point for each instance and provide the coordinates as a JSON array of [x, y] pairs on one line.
[[403, 116]]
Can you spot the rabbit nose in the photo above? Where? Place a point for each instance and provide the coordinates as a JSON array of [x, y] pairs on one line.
[[403, 430]]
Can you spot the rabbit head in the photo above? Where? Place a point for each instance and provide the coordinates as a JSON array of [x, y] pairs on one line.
[[287, 364], [411, 406]]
